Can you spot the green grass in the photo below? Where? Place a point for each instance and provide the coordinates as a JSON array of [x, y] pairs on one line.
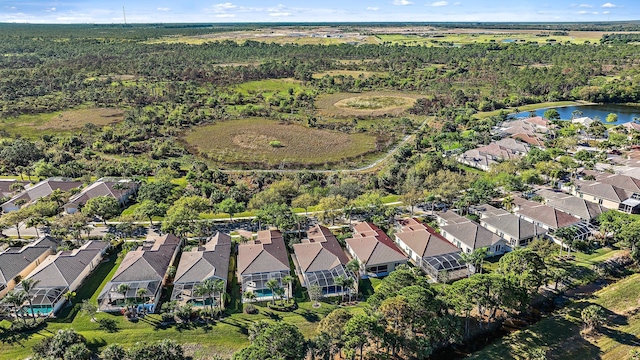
[[559, 335], [489, 36], [246, 143], [482, 115], [270, 87]]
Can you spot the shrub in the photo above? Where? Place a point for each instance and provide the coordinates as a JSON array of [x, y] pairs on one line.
[[593, 317], [250, 309], [275, 144]]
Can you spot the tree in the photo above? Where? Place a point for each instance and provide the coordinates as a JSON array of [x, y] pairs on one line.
[[611, 118], [566, 236], [552, 114], [304, 201], [158, 191], [205, 290], [15, 218], [104, 207], [219, 288], [149, 208], [333, 325], [249, 295], [412, 198], [359, 331], [89, 308], [278, 340], [28, 285], [181, 216], [231, 207], [331, 207], [69, 295], [113, 352], [524, 265], [16, 300], [59, 345], [122, 289], [77, 352], [593, 317], [315, 294], [272, 284], [289, 280], [21, 153]]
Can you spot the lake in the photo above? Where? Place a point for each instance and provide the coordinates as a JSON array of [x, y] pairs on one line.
[[625, 113]]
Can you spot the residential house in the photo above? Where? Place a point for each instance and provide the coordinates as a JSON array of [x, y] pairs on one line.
[[607, 195], [514, 230], [469, 235], [16, 263], [209, 261], [430, 251], [42, 189], [140, 276], [552, 219], [120, 190], [585, 210], [261, 260], [62, 273], [484, 156], [6, 186], [319, 260], [377, 254], [584, 121]]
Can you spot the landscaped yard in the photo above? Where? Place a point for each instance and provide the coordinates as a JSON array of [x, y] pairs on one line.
[[269, 143], [559, 335]]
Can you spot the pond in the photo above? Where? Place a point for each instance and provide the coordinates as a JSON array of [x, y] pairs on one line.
[[625, 113]]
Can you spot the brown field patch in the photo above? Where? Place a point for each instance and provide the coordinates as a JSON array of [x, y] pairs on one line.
[[76, 119], [249, 142], [369, 104], [354, 73]]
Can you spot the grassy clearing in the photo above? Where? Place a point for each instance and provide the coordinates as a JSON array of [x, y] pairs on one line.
[[61, 121], [485, 114], [353, 73], [559, 335], [269, 87], [472, 36], [250, 141], [373, 104]]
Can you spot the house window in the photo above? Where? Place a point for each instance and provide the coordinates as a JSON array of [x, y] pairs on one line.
[[600, 201], [377, 269]]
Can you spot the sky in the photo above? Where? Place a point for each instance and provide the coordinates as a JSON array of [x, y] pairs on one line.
[[221, 11]]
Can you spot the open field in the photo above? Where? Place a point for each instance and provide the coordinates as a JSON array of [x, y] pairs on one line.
[[269, 87], [353, 73], [254, 141], [62, 121], [373, 104], [559, 335]]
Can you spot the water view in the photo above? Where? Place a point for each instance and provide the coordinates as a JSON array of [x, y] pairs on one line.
[[625, 113]]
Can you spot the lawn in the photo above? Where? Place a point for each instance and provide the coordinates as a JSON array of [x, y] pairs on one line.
[[559, 335], [267, 143], [63, 121], [269, 87], [373, 103]]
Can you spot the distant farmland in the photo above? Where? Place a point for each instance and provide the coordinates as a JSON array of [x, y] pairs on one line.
[[267, 143]]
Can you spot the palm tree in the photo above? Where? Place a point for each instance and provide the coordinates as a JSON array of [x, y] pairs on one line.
[[354, 266], [249, 295], [69, 295], [348, 283], [280, 292], [272, 285], [219, 288], [16, 299], [205, 290], [90, 309], [140, 293], [27, 286], [341, 281], [508, 202], [123, 289], [289, 280]]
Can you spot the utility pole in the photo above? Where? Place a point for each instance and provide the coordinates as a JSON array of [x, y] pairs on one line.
[[125, 15]]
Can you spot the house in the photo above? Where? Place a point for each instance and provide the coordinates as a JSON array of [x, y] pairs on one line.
[[430, 251], [319, 260], [477, 159], [16, 263], [140, 276], [484, 156], [377, 254], [469, 235], [42, 189], [545, 216], [6, 186], [261, 260], [570, 204], [62, 273], [514, 230], [631, 126], [607, 195], [584, 121], [204, 262], [120, 190]]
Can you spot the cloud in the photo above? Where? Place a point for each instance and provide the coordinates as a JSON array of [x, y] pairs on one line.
[[402, 2], [584, 12], [163, 9], [606, 12], [225, 15], [609, 5], [224, 7], [51, 9], [585, 6], [439, 4], [280, 14], [373, 8], [457, 3]]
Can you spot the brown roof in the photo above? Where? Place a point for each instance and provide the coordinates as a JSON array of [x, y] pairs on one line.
[[537, 120], [265, 254], [44, 188], [424, 240], [321, 251], [373, 246], [531, 140], [547, 215], [149, 262], [205, 262], [102, 188]]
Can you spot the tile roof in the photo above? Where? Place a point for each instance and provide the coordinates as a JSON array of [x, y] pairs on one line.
[[602, 190], [320, 251], [14, 260], [205, 262], [44, 188], [451, 217], [514, 226], [64, 268], [531, 140], [5, 186], [265, 254], [424, 240], [571, 204], [102, 188], [625, 182], [471, 234], [547, 215], [372, 246], [537, 120], [148, 262]]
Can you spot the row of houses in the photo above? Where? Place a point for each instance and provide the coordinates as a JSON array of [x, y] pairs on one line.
[[119, 189]]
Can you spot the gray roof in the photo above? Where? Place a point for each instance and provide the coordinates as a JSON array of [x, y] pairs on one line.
[[102, 188], [62, 269], [14, 260], [573, 205], [514, 226], [602, 190], [547, 215], [471, 234], [44, 188], [148, 262], [205, 262]]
